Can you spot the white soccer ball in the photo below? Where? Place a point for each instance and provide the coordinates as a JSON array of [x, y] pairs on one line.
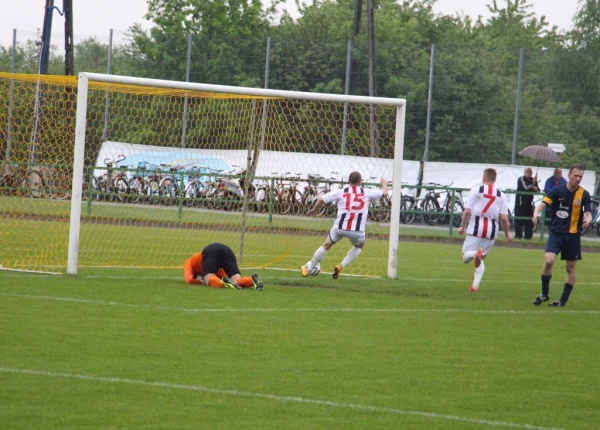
[[315, 270]]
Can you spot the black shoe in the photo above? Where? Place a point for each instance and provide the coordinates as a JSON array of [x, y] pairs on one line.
[[539, 299], [258, 284], [556, 303], [229, 283]]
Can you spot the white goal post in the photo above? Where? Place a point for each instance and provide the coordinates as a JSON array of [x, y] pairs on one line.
[[82, 114]]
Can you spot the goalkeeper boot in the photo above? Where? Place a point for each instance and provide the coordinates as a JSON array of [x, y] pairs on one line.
[[539, 299], [258, 284], [228, 283], [336, 271]]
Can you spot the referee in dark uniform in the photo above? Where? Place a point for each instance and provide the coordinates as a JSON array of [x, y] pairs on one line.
[[571, 211]]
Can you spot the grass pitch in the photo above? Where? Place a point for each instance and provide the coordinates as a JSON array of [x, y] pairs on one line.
[[138, 349]]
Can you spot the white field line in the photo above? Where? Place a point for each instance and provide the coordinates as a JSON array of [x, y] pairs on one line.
[[265, 310], [303, 400], [180, 278]]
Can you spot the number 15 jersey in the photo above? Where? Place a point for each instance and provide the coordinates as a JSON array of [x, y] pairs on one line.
[[486, 203], [352, 206]]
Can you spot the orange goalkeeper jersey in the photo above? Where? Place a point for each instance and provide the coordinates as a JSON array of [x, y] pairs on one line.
[[192, 269]]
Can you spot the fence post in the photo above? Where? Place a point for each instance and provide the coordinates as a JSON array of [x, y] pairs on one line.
[[517, 104], [429, 101]]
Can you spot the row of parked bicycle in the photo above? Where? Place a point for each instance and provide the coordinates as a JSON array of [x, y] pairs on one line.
[[197, 186]]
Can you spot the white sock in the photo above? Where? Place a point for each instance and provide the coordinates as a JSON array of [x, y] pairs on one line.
[[468, 256], [478, 274], [350, 256], [317, 257]]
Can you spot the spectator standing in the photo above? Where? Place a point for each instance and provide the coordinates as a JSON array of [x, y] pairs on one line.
[[553, 181], [524, 204], [571, 208]]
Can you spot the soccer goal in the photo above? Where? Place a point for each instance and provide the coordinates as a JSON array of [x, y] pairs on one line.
[[159, 169]]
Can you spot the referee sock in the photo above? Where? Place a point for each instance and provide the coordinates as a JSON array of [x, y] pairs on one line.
[[546, 285], [566, 293]]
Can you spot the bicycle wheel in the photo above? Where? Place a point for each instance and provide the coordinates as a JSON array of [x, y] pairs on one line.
[[379, 210], [136, 190], [430, 208], [193, 192], [209, 195], [407, 205], [262, 198], [60, 184], [309, 197], [386, 208], [34, 184], [121, 190], [296, 202], [168, 191], [458, 211], [231, 201], [153, 192]]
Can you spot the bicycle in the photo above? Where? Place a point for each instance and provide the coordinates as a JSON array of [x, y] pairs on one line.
[[288, 197], [310, 193], [111, 185], [170, 185], [380, 210], [329, 209], [137, 184], [408, 207], [195, 189], [434, 213]]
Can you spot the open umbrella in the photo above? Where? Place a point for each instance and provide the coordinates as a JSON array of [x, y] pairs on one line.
[[540, 153]]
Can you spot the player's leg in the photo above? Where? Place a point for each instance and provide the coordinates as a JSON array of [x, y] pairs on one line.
[[571, 252], [553, 247], [213, 281], [320, 253], [357, 239]]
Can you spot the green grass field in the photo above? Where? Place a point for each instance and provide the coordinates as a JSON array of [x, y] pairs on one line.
[[138, 349]]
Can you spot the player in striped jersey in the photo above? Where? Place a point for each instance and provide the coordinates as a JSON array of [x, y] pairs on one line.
[[485, 205], [571, 211], [352, 212]]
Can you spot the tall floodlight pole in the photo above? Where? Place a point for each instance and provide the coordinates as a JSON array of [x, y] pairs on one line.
[[69, 60]]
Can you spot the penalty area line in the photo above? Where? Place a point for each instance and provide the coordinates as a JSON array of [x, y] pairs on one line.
[[292, 399]]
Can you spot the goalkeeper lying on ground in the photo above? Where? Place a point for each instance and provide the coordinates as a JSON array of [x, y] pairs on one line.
[[216, 266]]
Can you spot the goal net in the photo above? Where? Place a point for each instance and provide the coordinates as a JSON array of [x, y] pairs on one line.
[[112, 171]]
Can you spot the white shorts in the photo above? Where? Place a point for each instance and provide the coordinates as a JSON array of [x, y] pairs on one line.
[[355, 237], [472, 243]]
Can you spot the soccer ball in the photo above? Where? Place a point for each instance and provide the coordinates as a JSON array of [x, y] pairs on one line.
[[316, 270]]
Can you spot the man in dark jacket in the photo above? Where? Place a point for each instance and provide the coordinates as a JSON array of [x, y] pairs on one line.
[[523, 204]]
